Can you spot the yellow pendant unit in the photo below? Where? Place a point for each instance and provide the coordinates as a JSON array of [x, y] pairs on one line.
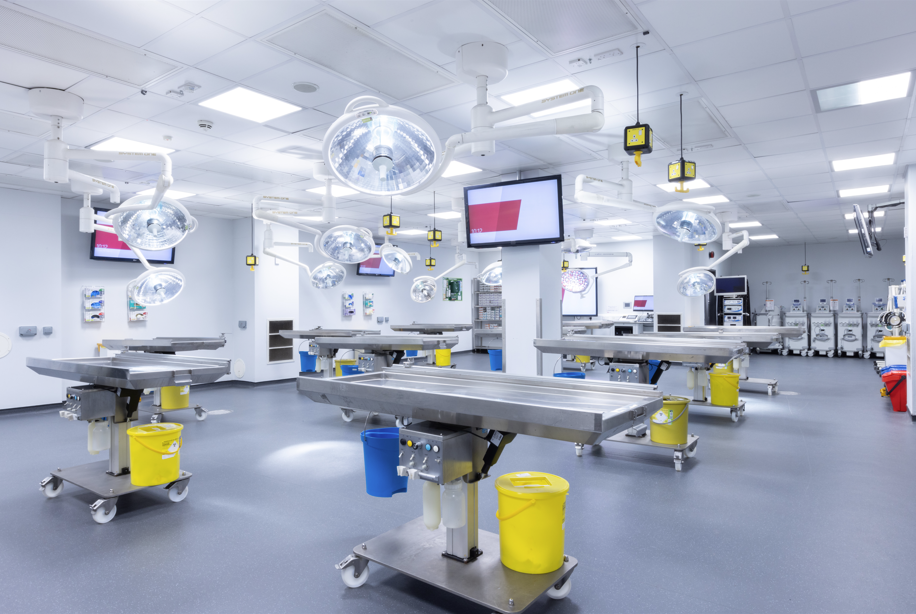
[[391, 223], [251, 261], [434, 236], [430, 263], [681, 171], [805, 269], [565, 266], [637, 140]]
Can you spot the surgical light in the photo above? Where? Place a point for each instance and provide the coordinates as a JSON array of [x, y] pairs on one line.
[[575, 281], [877, 189], [116, 143], [696, 184], [176, 194], [492, 275], [380, 149], [864, 92], [696, 282], [688, 223], [347, 244], [866, 162], [423, 289], [156, 286], [456, 168], [327, 275], [249, 105], [395, 257], [153, 229]]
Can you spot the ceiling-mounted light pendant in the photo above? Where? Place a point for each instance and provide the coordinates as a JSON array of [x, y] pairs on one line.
[[162, 227], [688, 222], [156, 286], [696, 282], [395, 257], [327, 275], [492, 275], [576, 281], [347, 244], [681, 171], [638, 138], [423, 289]]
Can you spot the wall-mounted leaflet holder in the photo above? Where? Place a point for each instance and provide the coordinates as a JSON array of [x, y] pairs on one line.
[[93, 300], [368, 303], [135, 311], [349, 305]]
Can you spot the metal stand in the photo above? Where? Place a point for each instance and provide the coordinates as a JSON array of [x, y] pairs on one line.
[[156, 418], [681, 451], [701, 380], [771, 384]]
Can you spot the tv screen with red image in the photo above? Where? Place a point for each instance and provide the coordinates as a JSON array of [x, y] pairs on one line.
[[522, 212], [375, 266], [107, 246]]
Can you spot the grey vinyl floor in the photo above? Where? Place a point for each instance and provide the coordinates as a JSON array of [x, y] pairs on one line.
[[805, 505]]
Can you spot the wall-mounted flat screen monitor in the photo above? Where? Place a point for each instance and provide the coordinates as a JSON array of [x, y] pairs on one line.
[[736, 285], [585, 304], [107, 246], [522, 212], [375, 267], [643, 302]]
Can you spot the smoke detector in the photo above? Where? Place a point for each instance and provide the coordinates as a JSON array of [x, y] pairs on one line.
[[205, 125], [303, 87]]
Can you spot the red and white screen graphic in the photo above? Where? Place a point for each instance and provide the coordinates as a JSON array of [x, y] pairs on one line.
[[515, 212]]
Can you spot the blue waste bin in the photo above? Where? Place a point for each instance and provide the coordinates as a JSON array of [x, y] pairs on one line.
[[571, 375], [496, 360], [380, 455], [349, 369], [308, 362]]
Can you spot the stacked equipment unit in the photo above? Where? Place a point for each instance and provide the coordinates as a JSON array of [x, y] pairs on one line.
[[797, 316], [850, 336], [823, 330]]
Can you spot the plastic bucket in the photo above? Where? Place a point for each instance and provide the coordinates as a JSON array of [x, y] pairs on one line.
[[532, 521], [573, 375], [723, 389], [723, 367], [380, 455], [341, 362], [496, 360], [308, 362], [349, 369], [410, 353], [175, 397], [443, 358], [155, 453], [669, 424], [895, 385], [583, 358]]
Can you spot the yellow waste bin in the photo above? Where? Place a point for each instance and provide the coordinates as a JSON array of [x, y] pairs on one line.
[[532, 521], [342, 361], [669, 424], [155, 453], [443, 358], [723, 389], [175, 397]]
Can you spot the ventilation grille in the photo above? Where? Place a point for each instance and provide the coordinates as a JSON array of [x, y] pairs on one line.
[[356, 54], [561, 27]]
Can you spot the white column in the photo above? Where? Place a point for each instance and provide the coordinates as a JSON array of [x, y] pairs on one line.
[[909, 243], [530, 272]]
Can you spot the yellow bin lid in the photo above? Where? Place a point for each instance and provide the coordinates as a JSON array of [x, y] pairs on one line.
[[531, 485], [152, 430]]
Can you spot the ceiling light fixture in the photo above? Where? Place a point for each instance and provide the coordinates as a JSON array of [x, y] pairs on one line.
[[763, 237], [116, 143], [863, 92], [707, 200], [688, 223], [866, 162], [696, 184], [877, 189], [743, 224], [456, 169], [249, 105], [176, 194], [446, 215]]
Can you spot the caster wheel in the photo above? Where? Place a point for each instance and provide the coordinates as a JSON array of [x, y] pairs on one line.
[[49, 491], [155, 419], [346, 415], [691, 452], [579, 448], [678, 465], [830, 354], [402, 422], [101, 517], [734, 415], [201, 416], [560, 593], [174, 495], [348, 575]]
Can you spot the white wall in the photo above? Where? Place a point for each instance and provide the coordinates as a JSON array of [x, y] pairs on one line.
[[31, 282], [840, 261]]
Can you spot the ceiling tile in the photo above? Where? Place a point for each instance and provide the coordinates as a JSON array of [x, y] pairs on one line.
[[792, 144], [256, 135], [866, 148], [28, 72], [804, 157], [529, 76], [145, 105], [791, 182], [879, 59], [769, 109], [216, 147], [657, 71], [754, 84], [780, 129], [194, 6], [250, 18], [301, 120], [243, 61], [806, 168], [194, 41], [153, 133], [853, 23], [371, 12], [862, 134], [187, 117], [278, 81], [747, 49], [549, 149], [102, 92], [106, 121], [442, 99], [684, 22], [865, 114], [15, 141], [210, 85]]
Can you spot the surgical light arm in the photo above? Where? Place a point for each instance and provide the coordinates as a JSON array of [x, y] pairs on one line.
[[269, 245], [624, 192], [726, 242]]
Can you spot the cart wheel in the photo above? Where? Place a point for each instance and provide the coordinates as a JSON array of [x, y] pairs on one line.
[[101, 517], [348, 575], [784, 352], [579, 448], [346, 414], [51, 492], [560, 593], [734, 415], [155, 419], [175, 496], [770, 390], [831, 354], [201, 416], [678, 465], [401, 422], [691, 451]]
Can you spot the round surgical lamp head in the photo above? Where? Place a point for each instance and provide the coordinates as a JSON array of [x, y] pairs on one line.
[[423, 289], [492, 275], [576, 281], [328, 275], [688, 222], [162, 227], [347, 244], [696, 282], [395, 257], [156, 286], [381, 150]]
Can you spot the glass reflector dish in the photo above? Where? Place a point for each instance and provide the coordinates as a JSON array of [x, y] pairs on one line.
[[576, 281], [347, 244], [328, 275], [688, 223], [395, 257], [162, 227], [696, 282], [156, 286], [423, 289], [382, 153], [492, 275]]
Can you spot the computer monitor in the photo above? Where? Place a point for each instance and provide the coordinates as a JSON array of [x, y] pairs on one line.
[[520, 212], [731, 286], [643, 302]]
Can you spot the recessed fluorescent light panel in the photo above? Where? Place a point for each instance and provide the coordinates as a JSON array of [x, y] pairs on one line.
[[176, 194], [761, 237], [707, 200], [116, 143], [540, 92], [696, 184], [852, 216], [249, 105], [853, 231], [743, 224], [618, 221], [866, 162], [336, 190], [626, 237], [875, 189], [459, 168], [445, 215], [863, 92]]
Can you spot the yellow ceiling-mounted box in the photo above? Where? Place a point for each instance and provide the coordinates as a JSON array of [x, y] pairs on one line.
[[637, 140], [391, 223], [434, 236], [681, 171]]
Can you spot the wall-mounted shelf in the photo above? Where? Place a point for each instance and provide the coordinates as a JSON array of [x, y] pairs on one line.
[[486, 309]]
